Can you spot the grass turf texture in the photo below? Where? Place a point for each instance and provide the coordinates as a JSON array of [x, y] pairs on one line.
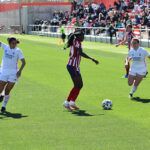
[[38, 121]]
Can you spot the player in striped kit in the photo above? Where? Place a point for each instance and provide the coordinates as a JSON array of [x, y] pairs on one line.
[[76, 53], [128, 38]]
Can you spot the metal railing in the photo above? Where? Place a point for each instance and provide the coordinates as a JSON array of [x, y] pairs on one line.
[[97, 34]]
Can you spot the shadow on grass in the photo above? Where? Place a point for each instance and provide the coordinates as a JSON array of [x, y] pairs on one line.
[[142, 100], [11, 115], [81, 113]]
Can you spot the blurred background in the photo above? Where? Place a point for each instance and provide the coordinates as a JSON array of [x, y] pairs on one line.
[[102, 20]]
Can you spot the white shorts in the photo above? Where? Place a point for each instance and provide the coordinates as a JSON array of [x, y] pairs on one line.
[[8, 78], [135, 72]]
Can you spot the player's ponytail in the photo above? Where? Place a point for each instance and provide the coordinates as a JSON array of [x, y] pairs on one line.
[[72, 36], [13, 39]]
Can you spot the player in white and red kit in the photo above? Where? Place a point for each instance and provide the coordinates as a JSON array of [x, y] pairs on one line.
[[9, 72], [73, 68], [138, 67]]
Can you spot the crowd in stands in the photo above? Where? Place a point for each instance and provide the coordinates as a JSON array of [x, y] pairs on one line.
[[123, 12]]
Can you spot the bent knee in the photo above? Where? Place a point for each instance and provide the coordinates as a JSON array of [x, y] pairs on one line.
[[130, 84], [7, 91], [81, 86]]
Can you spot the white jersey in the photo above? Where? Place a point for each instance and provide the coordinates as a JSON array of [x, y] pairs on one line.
[[138, 58], [10, 59]]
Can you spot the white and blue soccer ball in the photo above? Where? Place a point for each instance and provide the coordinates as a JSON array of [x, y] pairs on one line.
[[107, 104]]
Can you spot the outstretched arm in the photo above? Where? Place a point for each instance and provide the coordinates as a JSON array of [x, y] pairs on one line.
[[122, 42], [3, 45], [87, 57]]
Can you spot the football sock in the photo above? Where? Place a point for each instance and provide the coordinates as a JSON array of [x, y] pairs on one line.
[[73, 94], [134, 88], [3, 93], [5, 101], [72, 103], [70, 95], [76, 93]]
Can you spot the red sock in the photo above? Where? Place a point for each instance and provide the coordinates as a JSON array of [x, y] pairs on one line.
[[70, 95], [73, 94], [76, 93]]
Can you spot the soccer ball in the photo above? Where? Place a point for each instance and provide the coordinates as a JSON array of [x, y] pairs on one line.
[[107, 104]]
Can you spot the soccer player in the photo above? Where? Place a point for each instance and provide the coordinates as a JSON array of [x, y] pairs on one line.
[[129, 35], [138, 67], [63, 35], [9, 71], [76, 53]]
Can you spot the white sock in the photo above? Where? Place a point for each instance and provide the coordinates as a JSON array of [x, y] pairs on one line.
[[3, 93], [72, 103], [134, 88], [5, 101]]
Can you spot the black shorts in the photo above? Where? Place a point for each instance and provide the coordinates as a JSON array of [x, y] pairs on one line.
[[73, 71], [63, 36]]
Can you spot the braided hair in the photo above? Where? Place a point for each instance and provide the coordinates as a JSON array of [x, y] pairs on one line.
[[72, 36]]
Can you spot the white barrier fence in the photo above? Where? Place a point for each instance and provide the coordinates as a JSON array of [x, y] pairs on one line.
[[97, 34]]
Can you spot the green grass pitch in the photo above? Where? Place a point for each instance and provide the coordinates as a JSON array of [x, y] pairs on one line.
[[37, 120]]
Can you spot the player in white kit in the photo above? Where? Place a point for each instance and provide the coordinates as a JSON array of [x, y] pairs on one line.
[[138, 68], [9, 72]]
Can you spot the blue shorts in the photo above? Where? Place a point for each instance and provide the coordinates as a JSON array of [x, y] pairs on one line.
[[73, 71]]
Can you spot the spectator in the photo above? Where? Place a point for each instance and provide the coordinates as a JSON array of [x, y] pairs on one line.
[[124, 12], [112, 32]]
